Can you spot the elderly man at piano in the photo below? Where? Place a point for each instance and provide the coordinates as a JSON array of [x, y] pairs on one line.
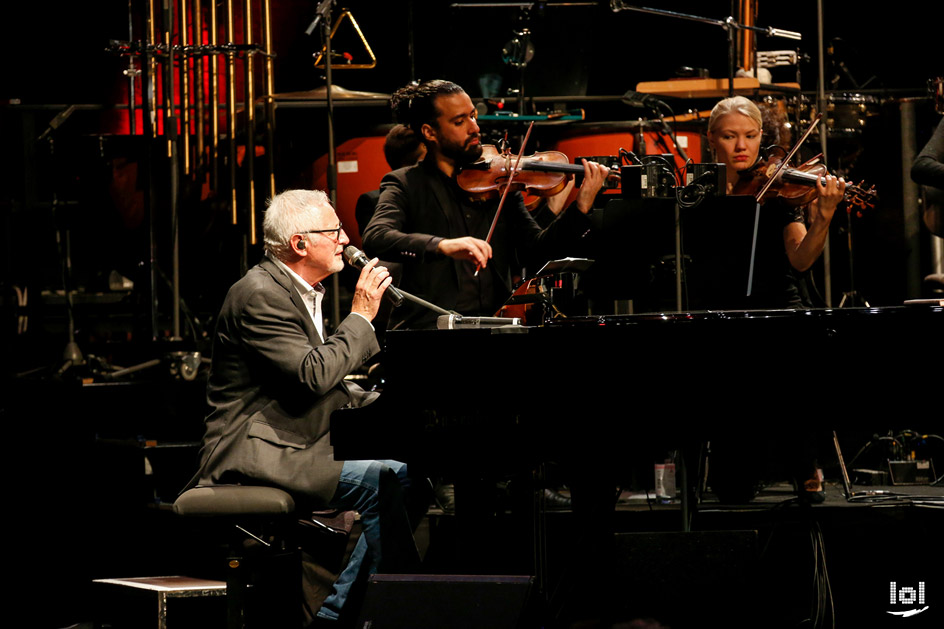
[[277, 375], [426, 221]]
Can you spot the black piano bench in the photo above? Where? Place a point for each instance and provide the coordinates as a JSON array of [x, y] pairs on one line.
[[290, 558], [256, 526]]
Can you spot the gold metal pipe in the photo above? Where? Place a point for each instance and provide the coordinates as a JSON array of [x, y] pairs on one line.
[[249, 94], [152, 74], [748, 41], [167, 25], [184, 85], [269, 99], [200, 95], [231, 106], [215, 101]]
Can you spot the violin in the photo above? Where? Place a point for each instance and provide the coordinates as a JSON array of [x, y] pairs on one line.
[[501, 177], [770, 179], [542, 174]]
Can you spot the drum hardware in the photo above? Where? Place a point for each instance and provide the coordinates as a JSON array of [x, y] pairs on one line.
[[337, 93], [518, 51], [777, 128], [847, 114]]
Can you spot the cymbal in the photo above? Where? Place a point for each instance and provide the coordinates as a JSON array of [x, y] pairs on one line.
[[320, 93]]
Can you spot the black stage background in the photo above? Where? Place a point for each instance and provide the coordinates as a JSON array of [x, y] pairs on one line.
[[56, 57], [91, 490]]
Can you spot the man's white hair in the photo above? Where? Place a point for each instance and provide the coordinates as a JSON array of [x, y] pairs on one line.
[[289, 213]]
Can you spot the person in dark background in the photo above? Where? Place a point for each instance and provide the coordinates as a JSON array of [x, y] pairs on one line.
[[928, 167], [928, 170], [402, 148]]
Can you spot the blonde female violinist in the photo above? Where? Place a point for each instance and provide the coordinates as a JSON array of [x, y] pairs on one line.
[[735, 131]]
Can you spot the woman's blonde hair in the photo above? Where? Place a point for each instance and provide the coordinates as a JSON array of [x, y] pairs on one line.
[[735, 104]]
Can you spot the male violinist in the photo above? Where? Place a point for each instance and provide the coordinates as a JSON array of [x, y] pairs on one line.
[[426, 221]]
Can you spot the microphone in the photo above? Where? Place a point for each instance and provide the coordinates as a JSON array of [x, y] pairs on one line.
[[357, 259]]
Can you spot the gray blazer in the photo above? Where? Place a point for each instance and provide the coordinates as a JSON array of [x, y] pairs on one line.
[[273, 386]]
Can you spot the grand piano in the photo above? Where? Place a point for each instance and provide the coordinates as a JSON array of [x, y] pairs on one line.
[[589, 392], [590, 384], [520, 395]]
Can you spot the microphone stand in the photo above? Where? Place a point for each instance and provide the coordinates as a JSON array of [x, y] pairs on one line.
[[654, 105], [823, 135], [729, 24], [323, 18], [429, 305], [456, 318], [172, 136], [72, 354]]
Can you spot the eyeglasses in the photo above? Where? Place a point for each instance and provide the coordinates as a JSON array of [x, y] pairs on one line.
[[336, 230]]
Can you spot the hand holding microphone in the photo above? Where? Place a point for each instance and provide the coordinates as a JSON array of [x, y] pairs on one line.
[[357, 259]]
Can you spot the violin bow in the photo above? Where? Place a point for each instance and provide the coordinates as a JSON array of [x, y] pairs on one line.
[[786, 160], [511, 177]]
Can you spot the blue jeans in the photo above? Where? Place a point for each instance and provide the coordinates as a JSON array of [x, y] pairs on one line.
[[375, 489]]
